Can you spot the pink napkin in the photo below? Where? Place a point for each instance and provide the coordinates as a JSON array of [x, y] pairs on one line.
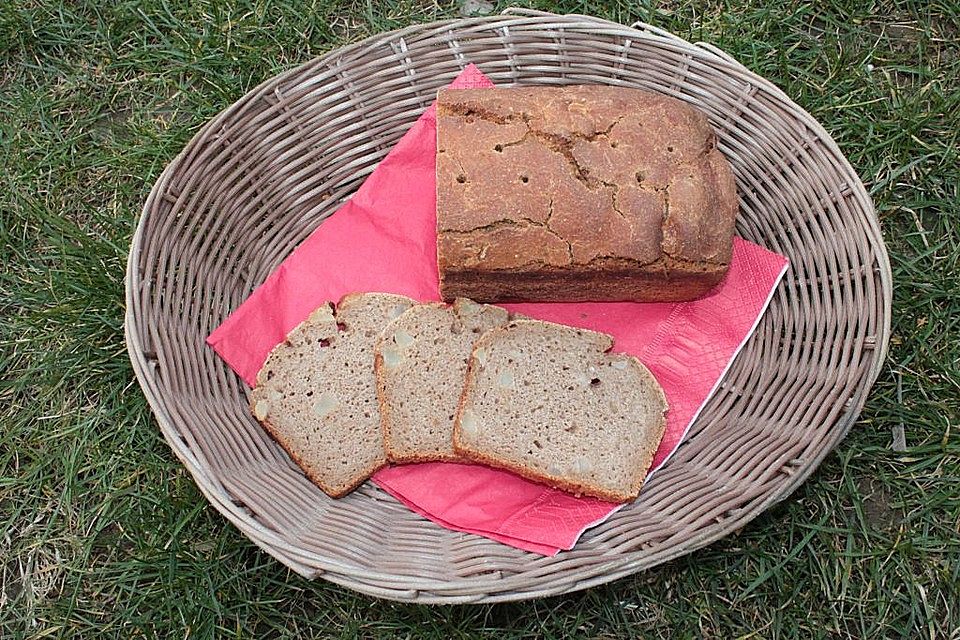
[[384, 239]]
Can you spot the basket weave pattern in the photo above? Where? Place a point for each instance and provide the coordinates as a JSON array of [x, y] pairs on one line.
[[261, 176]]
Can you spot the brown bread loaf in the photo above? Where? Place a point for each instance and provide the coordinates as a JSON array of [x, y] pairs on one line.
[[579, 193]]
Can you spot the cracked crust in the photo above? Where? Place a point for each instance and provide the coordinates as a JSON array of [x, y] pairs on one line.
[[579, 193]]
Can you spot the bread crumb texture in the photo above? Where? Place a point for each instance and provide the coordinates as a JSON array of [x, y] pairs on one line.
[[421, 366]]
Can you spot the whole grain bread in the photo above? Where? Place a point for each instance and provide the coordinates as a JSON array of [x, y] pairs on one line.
[[548, 402], [316, 392], [421, 362], [579, 193]]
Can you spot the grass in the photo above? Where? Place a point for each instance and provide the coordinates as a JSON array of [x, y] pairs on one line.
[[102, 533]]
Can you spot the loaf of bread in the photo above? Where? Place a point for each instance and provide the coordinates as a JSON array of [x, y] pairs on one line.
[[421, 362], [579, 193], [316, 392], [548, 402]]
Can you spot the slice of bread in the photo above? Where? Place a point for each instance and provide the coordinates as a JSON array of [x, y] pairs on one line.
[[421, 362], [316, 392], [548, 402]]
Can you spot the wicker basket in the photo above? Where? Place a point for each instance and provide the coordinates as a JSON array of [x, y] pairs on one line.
[[256, 180]]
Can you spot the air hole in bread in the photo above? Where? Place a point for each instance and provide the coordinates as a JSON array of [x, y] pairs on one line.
[[613, 144], [498, 148], [323, 342], [594, 382], [461, 178], [524, 179]]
